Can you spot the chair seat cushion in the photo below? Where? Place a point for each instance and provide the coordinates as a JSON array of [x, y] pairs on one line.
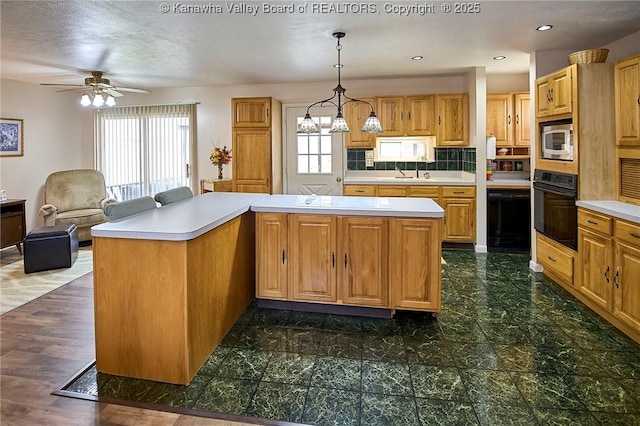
[[82, 217]]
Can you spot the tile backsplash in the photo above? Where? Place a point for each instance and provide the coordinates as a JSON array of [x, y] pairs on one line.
[[463, 159]]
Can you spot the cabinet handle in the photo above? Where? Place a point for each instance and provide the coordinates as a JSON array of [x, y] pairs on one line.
[[592, 222], [551, 259], [267, 113], [409, 115], [359, 191], [638, 99], [634, 235], [283, 256], [438, 120], [345, 260], [509, 119], [517, 119], [333, 260], [606, 274], [458, 192], [615, 279]]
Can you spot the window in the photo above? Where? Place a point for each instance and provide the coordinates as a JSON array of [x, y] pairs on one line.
[[144, 150], [314, 150], [405, 149]]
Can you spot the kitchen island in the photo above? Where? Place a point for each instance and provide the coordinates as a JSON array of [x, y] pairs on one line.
[[169, 283], [371, 252]]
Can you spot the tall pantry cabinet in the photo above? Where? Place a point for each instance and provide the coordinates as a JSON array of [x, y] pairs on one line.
[[257, 145]]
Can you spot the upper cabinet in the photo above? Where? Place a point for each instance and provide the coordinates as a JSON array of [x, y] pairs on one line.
[[407, 115], [453, 120], [508, 118], [627, 82], [554, 93], [357, 113], [251, 112]]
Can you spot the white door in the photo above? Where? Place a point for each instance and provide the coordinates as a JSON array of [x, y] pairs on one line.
[[313, 163]]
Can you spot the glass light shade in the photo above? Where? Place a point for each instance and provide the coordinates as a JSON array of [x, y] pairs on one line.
[[98, 100], [339, 125], [85, 100], [111, 101], [307, 125], [372, 125]]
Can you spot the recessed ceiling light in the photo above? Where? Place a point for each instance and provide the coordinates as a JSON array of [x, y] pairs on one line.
[[499, 58], [417, 58], [544, 27]]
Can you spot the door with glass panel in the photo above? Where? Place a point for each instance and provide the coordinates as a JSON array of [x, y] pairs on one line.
[[313, 161]]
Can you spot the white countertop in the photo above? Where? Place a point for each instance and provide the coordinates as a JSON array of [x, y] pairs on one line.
[[627, 211], [436, 177], [361, 206], [180, 221]]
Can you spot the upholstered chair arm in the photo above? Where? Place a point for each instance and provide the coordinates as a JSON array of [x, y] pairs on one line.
[[49, 212], [107, 201]]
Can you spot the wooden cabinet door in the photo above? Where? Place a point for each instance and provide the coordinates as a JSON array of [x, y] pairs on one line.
[[561, 91], [522, 109], [251, 112], [595, 260], [543, 97], [500, 119], [421, 115], [627, 285], [392, 191], [414, 263], [356, 114], [271, 255], [312, 260], [627, 81], [460, 214], [453, 120], [364, 260], [251, 160], [391, 115]]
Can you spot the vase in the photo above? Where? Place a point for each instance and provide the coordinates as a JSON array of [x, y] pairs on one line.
[[219, 171]]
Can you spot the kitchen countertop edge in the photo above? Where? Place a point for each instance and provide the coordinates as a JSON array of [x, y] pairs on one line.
[[617, 209]]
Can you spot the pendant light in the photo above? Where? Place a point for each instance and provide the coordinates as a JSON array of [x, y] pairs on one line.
[[371, 125]]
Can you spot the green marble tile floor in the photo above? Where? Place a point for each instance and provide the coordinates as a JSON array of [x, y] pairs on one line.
[[510, 347]]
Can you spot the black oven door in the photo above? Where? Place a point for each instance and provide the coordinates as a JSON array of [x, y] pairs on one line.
[[555, 214]]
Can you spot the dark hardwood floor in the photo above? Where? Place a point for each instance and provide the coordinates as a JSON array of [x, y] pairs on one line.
[[44, 343]]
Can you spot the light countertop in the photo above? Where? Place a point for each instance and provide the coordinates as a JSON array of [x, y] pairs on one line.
[[620, 210], [191, 218], [360, 206], [180, 221], [436, 177]]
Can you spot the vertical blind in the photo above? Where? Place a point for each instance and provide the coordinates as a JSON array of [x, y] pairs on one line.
[[142, 150]]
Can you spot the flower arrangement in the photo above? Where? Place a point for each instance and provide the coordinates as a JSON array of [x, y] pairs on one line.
[[220, 156]]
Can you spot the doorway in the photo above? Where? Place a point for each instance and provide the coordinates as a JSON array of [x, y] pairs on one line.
[[313, 162]]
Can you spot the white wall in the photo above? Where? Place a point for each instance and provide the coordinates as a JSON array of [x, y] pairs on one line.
[[52, 141], [505, 83]]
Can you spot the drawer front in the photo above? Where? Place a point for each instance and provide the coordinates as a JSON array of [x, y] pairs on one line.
[[359, 190], [392, 191], [628, 232], [459, 191], [595, 222], [559, 262], [424, 191]]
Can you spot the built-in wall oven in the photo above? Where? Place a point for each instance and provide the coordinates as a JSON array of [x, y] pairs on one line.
[[554, 206]]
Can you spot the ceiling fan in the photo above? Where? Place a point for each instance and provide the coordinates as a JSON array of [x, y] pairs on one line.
[[97, 90]]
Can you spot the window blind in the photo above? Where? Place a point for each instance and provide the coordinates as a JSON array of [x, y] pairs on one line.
[[142, 150]]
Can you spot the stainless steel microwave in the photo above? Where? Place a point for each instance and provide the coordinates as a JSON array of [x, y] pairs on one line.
[[557, 142]]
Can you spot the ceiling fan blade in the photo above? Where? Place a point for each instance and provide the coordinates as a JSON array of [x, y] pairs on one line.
[[56, 84], [132, 90], [72, 89], [113, 93]]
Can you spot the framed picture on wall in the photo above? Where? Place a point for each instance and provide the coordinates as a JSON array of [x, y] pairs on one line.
[[11, 137]]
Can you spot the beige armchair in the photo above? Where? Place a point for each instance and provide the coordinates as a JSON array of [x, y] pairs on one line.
[[75, 196]]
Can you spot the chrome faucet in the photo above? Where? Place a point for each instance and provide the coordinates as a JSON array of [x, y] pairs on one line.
[[401, 172], [426, 175]]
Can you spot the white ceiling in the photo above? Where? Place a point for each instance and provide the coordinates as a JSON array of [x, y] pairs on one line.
[[137, 45]]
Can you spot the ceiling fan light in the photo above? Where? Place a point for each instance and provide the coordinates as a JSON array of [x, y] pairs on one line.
[[85, 100], [111, 101], [339, 125], [98, 101], [307, 125], [372, 125]]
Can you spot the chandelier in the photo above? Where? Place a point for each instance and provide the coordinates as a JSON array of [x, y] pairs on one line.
[[371, 125]]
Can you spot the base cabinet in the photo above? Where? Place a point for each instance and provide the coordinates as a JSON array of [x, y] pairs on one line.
[[595, 256], [349, 260]]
